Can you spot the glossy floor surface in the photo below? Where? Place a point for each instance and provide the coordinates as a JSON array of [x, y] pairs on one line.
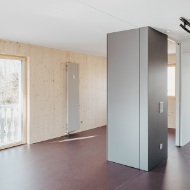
[[80, 164]]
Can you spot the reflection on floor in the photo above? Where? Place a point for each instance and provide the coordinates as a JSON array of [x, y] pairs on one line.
[[171, 140], [81, 165]]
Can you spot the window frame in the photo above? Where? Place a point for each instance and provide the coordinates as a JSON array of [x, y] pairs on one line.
[[24, 61]]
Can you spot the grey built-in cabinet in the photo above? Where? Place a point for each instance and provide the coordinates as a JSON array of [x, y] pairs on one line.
[[137, 98]]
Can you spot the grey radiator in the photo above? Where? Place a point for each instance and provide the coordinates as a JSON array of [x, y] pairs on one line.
[[73, 123]]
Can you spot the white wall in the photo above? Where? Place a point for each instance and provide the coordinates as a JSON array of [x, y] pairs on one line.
[[185, 94], [47, 84]]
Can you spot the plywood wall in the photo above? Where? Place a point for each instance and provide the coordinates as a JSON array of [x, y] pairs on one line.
[[171, 113], [172, 101], [92, 86], [171, 58], [47, 89]]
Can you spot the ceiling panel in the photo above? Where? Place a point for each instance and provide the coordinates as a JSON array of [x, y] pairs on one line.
[[163, 15], [59, 24], [82, 25]]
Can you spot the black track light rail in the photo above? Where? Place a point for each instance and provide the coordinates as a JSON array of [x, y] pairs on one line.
[[185, 23]]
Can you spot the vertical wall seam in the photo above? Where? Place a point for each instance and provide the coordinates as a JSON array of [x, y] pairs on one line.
[[66, 98], [148, 98], [139, 104], [107, 104]]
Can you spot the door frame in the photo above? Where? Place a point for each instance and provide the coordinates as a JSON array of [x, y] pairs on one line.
[[178, 94], [24, 62]]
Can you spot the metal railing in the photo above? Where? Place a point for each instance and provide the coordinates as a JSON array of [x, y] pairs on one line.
[[10, 124]]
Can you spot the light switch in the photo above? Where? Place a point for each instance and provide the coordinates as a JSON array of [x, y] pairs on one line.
[[161, 107]]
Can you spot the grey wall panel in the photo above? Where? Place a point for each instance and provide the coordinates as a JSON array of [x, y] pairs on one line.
[[157, 92], [123, 98], [144, 98], [73, 97], [185, 94]]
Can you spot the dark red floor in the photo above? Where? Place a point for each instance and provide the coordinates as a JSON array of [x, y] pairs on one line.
[[81, 165]]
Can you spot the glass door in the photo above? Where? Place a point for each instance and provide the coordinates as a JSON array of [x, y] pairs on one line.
[[11, 102]]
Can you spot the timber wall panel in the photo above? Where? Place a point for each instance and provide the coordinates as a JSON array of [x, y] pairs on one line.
[[47, 89], [92, 89]]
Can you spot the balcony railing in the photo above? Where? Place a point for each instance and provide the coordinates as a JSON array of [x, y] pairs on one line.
[[10, 124]]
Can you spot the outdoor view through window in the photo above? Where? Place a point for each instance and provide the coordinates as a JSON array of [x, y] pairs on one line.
[[10, 101], [171, 80]]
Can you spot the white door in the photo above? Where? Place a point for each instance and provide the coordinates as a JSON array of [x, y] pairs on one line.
[[183, 92], [178, 96]]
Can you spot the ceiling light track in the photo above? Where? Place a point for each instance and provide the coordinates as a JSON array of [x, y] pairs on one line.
[[185, 24]]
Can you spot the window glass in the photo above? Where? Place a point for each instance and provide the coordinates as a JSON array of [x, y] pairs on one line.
[[171, 81]]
